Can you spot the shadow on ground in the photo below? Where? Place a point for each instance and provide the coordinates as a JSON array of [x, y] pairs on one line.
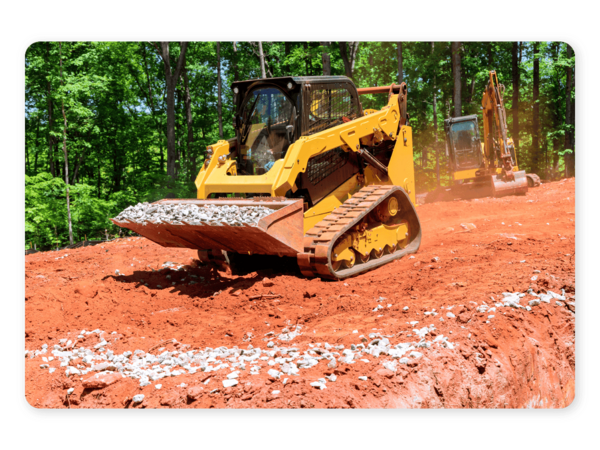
[[202, 281]]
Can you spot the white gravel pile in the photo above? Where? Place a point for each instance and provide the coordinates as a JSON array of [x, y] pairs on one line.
[[176, 214], [277, 362], [513, 300]]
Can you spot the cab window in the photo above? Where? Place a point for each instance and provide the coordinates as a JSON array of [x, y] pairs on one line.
[[265, 115]]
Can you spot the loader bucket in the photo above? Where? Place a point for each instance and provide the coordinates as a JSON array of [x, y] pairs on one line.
[[279, 233], [518, 186]]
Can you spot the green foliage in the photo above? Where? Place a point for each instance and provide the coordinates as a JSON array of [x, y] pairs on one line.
[[46, 211], [90, 214], [114, 96]]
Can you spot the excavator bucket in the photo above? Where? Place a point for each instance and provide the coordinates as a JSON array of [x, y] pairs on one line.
[[490, 186], [279, 233], [516, 187]]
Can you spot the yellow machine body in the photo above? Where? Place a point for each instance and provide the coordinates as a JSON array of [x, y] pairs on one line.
[[342, 190], [218, 176], [487, 166]]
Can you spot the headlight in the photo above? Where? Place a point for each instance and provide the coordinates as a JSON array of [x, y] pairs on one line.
[[290, 85], [209, 150], [236, 90]]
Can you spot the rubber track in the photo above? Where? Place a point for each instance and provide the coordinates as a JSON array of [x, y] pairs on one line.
[[535, 179], [319, 240]]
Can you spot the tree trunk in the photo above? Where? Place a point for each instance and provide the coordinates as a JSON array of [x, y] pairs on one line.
[[573, 118], [455, 47], [189, 121], [306, 59], [310, 70], [516, 81], [65, 149], [50, 119], [56, 155], [520, 52], [556, 141], [471, 91], [353, 52], [348, 52], [547, 173], [153, 112], [77, 166], [435, 128], [172, 77], [437, 165], [261, 56], [287, 51], [37, 148], [99, 185], [326, 59], [81, 158], [171, 156], [116, 166], [535, 132], [345, 58], [178, 148], [570, 119], [435, 124], [219, 104], [400, 69], [25, 152], [234, 64]]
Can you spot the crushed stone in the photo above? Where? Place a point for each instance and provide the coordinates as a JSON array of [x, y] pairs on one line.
[[192, 214]]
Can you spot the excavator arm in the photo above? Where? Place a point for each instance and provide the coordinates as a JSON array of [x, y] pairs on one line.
[[494, 112]]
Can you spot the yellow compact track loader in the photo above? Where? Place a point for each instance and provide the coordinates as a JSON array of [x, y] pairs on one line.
[[338, 180]]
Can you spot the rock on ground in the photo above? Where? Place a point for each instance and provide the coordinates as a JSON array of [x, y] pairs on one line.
[[102, 379]]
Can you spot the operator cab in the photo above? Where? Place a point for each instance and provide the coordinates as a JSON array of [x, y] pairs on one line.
[[266, 113], [463, 145], [272, 113]]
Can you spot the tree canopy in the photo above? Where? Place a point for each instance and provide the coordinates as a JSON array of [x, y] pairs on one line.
[[139, 115]]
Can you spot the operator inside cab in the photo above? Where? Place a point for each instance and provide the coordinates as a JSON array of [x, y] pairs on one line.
[[266, 113]]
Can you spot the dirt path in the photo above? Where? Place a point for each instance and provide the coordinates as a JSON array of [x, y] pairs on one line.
[[461, 352]]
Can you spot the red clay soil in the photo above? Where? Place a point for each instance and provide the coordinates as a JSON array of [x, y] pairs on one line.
[[516, 359]]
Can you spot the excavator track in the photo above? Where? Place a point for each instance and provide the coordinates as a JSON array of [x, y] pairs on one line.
[[316, 260], [533, 180]]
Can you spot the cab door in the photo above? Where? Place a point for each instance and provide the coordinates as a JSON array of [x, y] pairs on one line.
[[463, 142]]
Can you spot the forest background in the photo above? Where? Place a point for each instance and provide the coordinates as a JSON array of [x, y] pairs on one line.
[[110, 124]]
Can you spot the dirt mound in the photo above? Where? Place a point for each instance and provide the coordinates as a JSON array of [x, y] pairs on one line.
[[434, 330]]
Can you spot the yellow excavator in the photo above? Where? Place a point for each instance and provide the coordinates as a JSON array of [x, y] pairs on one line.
[[487, 169], [338, 179]]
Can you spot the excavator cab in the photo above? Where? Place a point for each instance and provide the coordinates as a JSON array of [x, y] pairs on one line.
[[463, 144]]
